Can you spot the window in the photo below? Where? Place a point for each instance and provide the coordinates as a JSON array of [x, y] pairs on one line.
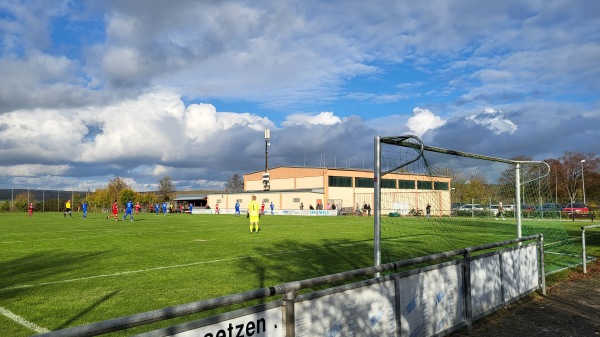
[[363, 182], [296, 200], [438, 185], [340, 181], [239, 200], [407, 184], [425, 185], [388, 183]]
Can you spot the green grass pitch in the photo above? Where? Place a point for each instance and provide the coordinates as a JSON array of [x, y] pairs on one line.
[[58, 272]]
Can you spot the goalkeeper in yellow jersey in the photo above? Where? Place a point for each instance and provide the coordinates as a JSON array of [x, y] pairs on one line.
[[253, 212]]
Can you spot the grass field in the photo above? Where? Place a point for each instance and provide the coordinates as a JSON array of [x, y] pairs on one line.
[[60, 272]]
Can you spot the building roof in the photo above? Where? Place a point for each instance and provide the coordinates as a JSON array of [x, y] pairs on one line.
[[314, 167], [190, 197]]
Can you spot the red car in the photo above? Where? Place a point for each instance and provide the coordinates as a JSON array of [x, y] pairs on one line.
[[576, 207]]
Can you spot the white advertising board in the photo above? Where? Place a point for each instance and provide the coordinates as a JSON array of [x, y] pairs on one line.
[[261, 324], [486, 284], [364, 311], [320, 212], [431, 302], [519, 271]]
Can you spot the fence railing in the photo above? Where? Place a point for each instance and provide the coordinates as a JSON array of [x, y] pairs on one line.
[[289, 292], [584, 255]]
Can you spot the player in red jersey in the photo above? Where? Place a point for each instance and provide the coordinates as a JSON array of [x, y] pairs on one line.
[[115, 212]]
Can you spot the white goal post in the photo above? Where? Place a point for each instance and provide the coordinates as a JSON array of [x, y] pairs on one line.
[[436, 172]]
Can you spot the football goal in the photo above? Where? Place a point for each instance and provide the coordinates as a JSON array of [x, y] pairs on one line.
[[429, 200]]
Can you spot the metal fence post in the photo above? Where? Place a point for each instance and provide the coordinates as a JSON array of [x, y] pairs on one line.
[[289, 313], [584, 258], [542, 268], [467, 290]]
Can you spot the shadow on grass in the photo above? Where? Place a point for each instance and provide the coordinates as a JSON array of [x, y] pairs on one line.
[[299, 261], [88, 309], [22, 273]]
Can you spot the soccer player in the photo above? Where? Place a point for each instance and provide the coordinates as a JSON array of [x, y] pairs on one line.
[[272, 208], [217, 208], [68, 209], [84, 207], [156, 208], [191, 206], [262, 208], [164, 207], [237, 208], [115, 211], [137, 208], [128, 210], [30, 209], [253, 211]]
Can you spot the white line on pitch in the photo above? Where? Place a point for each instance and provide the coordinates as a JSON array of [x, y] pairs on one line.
[[23, 286], [22, 321]]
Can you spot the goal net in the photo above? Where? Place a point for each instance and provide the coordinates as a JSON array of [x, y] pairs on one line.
[[433, 200]]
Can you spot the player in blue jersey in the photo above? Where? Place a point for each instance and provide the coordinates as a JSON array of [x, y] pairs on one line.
[[84, 207], [272, 208], [156, 208], [128, 210], [164, 208], [237, 208], [191, 206]]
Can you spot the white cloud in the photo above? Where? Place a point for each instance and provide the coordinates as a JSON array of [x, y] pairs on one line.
[[423, 120], [202, 121], [32, 170], [323, 118], [495, 121]]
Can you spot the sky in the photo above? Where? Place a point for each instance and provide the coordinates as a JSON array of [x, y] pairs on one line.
[[143, 89]]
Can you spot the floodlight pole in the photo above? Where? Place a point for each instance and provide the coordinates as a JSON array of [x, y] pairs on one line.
[[583, 179], [267, 137]]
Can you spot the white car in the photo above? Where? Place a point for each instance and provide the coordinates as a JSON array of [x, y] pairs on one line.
[[471, 207]]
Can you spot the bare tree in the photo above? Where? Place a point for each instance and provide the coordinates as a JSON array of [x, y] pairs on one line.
[[571, 173], [234, 184], [166, 188]]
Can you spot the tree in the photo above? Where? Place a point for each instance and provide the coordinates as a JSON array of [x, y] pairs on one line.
[[566, 175], [127, 194], [166, 188], [234, 184], [115, 187], [100, 199], [20, 202]]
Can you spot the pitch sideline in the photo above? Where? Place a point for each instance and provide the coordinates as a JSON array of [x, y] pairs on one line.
[[22, 321]]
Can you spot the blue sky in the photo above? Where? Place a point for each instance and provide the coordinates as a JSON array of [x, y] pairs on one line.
[[93, 90]]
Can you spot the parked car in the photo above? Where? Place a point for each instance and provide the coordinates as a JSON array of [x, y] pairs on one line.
[[576, 207], [527, 208], [471, 207], [493, 209], [549, 207], [509, 208], [456, 205]]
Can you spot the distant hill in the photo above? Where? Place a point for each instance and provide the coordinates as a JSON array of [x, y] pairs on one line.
[[7, 193]]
